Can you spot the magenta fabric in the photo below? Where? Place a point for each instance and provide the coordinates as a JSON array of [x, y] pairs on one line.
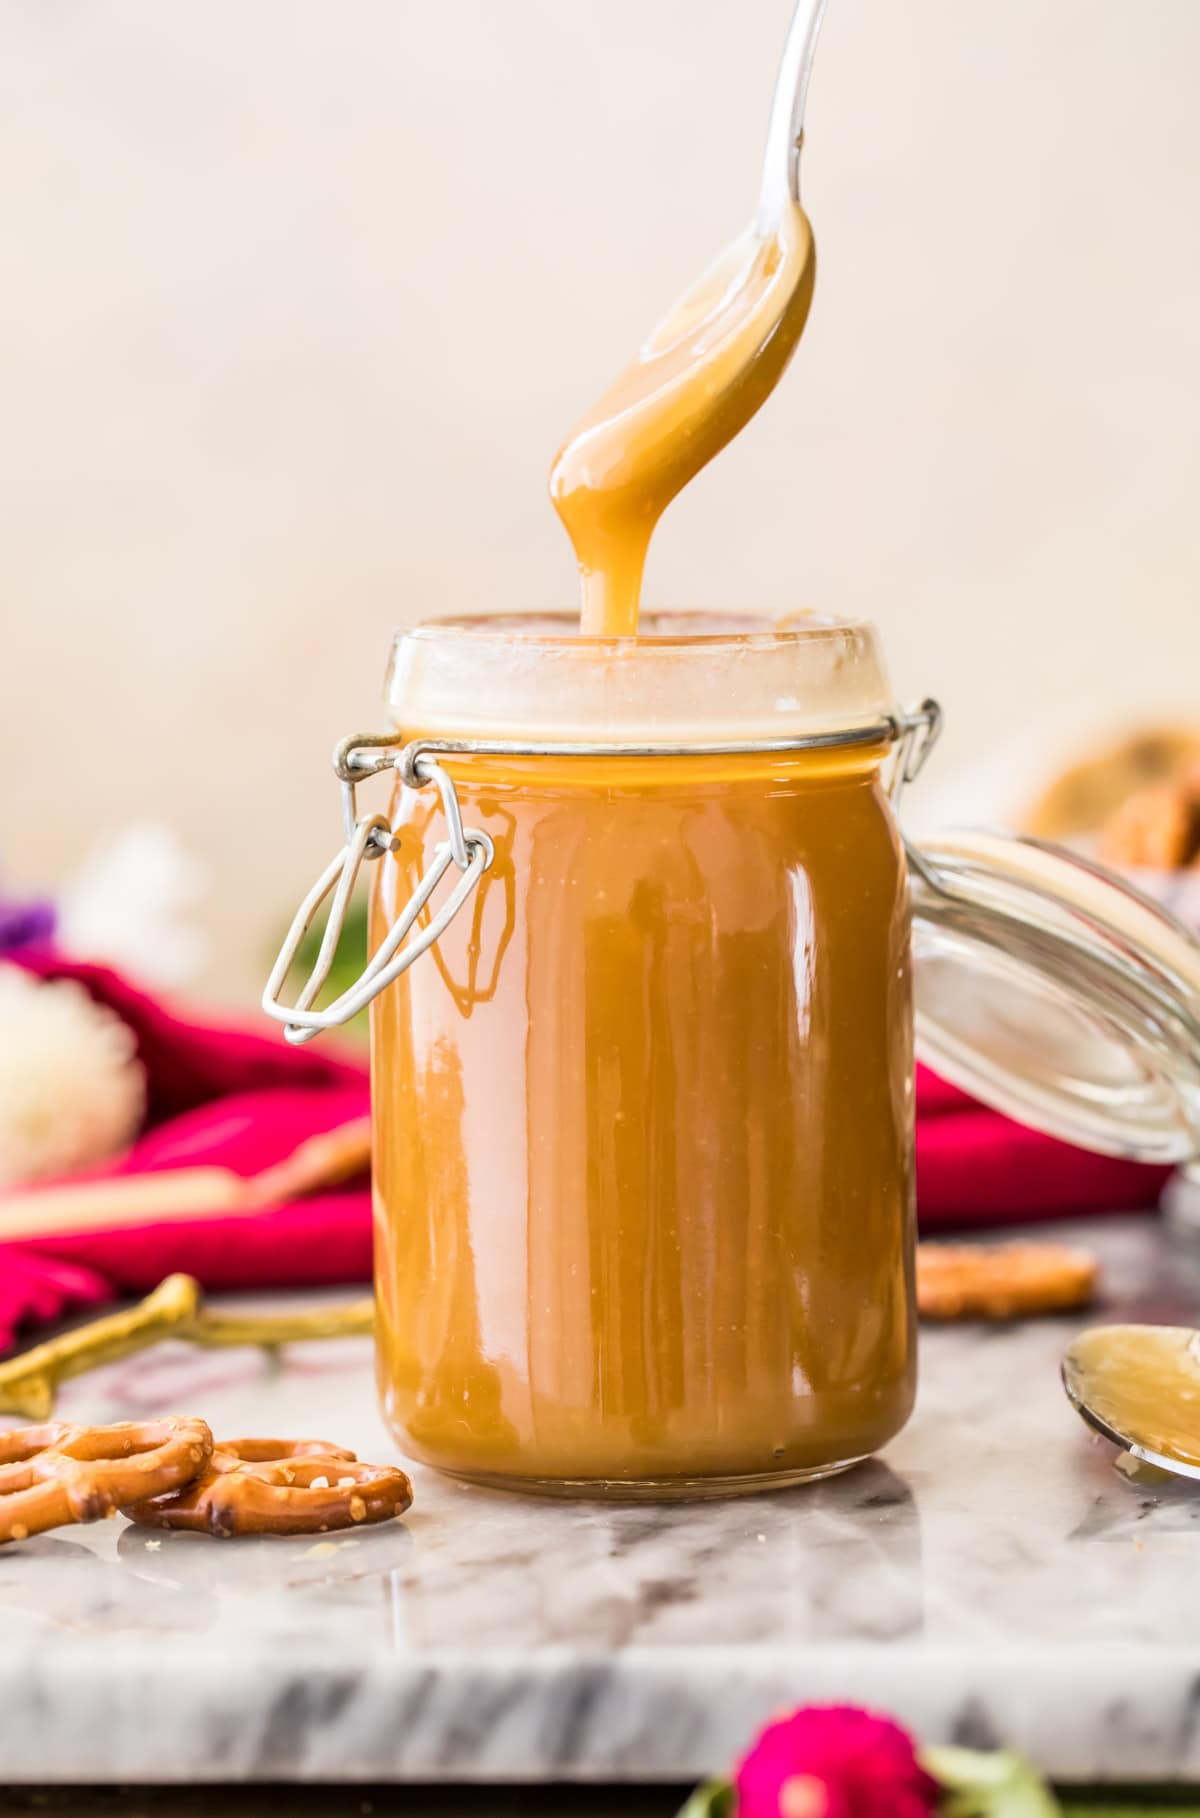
[[191, 1061], [38, 1290], [219, 1094], [975, 1167], [230, 1095]]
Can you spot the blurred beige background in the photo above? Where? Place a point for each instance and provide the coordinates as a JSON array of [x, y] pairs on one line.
[[298, 298]]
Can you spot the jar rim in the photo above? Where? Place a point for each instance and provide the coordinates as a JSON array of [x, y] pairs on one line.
[[558, 629], [693, 677]]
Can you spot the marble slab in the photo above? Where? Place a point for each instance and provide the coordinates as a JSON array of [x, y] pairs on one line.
[[989, 1578]]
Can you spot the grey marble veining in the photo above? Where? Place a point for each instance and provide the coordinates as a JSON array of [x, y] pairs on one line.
[[990, 1577]]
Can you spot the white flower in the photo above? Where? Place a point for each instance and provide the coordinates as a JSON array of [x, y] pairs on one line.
[[131, 906], [71, 1092]]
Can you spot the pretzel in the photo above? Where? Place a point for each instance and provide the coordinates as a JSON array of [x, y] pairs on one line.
[[279, 1486], [1001, 1281], [55, 1474], [235, 1452]]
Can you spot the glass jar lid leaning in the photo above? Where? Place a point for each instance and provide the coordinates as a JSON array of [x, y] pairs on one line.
[[1058, 994]]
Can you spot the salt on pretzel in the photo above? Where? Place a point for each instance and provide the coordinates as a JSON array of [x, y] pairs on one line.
[[279, 1486], [56, 1474], [1002, 1281]]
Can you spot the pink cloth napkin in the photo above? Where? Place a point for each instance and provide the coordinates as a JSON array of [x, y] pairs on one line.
[[975, 1167], [239, 1097], [223, 1095]]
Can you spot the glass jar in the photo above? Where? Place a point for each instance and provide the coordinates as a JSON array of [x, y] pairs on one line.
[[642, 1043], [643, 1173]]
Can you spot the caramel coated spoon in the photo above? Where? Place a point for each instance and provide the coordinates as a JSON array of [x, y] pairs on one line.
[[29, 1382], [1140, 1387], [701, 376]]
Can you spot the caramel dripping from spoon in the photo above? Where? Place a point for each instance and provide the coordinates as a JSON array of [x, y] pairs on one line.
[[704, 372]]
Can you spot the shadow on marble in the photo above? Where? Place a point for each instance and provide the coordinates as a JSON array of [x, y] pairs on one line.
[[790, 1567]]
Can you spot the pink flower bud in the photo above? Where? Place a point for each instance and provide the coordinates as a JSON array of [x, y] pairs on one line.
[[834, 1762]]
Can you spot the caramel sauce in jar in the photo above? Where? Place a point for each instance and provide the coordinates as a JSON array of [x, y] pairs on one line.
[[643, 1116]]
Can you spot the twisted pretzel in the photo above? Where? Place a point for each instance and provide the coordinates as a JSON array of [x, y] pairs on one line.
[[55, 1474], [279, 1486], [231, 1453]]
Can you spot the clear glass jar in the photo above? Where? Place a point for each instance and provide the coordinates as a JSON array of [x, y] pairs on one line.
[[643, 1113]]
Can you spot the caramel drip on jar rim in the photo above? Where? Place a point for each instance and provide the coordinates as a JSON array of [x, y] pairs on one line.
[[698, 380]]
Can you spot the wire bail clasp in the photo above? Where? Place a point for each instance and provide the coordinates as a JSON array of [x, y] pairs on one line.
[[368, 837], [917, 732]]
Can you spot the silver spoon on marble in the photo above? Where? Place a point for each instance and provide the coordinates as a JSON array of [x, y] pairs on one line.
[[1139, 1386]]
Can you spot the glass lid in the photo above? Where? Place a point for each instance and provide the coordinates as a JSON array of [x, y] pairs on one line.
[[1058, 994]]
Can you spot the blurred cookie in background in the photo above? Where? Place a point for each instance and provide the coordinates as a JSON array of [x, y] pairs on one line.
[[1157, 828], [1134, 796], [1134, 806], [1125, 794]]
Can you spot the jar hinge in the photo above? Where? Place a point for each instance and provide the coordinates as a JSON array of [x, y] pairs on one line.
[[368, 837], [917, 732]]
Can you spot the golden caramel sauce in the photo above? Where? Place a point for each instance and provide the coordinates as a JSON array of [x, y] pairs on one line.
[[643, 1165], [1142, 1383], [697, 381]]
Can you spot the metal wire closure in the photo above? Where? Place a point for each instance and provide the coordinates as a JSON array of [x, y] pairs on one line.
[[368, 837], [363, 755]]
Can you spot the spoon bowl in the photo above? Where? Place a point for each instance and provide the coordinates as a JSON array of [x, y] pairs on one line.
[[1139, 1386]]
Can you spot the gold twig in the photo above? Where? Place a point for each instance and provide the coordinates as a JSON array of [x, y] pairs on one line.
[[350, 1319], [29, 1382]]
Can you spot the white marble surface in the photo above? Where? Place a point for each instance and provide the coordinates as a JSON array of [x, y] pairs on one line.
[[991, 1577]]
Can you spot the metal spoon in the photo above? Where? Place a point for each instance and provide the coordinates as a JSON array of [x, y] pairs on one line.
[[704, 372], [785, 130], [1140, 1387]]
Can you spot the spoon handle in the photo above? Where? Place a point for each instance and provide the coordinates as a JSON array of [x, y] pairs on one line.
[[785, 132]]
